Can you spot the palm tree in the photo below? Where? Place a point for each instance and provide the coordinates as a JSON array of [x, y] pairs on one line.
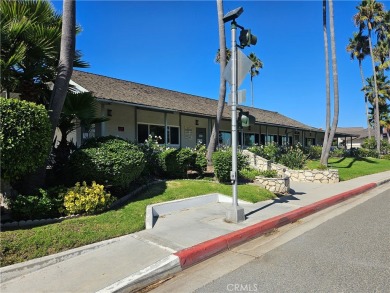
[[31, 37], [383, 89], [358, 47], [325, 153], [256, 65], [384, 118], [222, 83], [369, 15], [381, 54], [65, 64], [323, 160], [79, 110]]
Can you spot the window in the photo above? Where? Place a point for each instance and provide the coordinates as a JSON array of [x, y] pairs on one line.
[[251, 139], [271, 139], [144, 130], [225, 138]]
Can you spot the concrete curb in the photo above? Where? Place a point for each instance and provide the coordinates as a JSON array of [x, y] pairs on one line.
[[202, 251], [207, 249]]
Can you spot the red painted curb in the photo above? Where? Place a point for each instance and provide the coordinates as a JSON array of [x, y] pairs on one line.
[[204, 250]]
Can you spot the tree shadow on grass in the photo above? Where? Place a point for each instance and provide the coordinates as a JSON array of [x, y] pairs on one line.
[[352, 162]]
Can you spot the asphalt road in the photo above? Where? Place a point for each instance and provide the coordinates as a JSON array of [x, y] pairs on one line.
[[349, 253]]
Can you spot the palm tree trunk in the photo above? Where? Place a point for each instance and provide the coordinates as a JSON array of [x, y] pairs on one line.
[[65, 66], [376, 112], [252, 91], [366, 100], [222, 84], [335, 78], [324, 157]]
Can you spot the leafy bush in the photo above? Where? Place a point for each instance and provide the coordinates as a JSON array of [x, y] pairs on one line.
[[25, 137], [87, 199], [47, 204], [338, 153], [269, 151], [249, 173], [370, 143], [222, 161], [365, 153], [108, 160], [314, 152], [386, 157], [294, 158], [176, 162], [151, 150], [269, 173], [201, 160]]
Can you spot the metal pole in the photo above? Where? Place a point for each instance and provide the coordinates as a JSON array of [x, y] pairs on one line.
[[236, 214], [234, 112]]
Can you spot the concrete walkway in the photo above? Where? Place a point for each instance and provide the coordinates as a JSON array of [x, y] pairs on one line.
[[176, 241]]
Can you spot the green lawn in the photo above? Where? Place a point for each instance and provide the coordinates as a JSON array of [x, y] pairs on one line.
[[25, 244], [350, 168]]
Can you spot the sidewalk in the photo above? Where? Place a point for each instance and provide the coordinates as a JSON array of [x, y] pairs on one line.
[[177, 240]]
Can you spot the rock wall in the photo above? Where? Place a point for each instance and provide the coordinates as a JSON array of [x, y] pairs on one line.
[[315, 176], [275, 185]]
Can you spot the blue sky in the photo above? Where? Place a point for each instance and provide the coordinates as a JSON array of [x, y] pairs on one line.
[[172, 45]]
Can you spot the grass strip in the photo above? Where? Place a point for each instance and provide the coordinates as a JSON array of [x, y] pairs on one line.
[[350, 168], [25, 244]]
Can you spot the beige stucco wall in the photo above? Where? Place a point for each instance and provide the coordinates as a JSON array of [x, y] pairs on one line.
[[122, 116], [188, 130]]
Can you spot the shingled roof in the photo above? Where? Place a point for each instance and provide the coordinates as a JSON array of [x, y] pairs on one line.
[[116, 90]]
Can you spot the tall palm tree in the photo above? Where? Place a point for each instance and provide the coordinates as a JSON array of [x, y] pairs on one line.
[[31, 37], [383, 89], [358, 47], [323, 160], [325, 153], [381, 54], [384, 118], [222, 83], [65, 64], [369, 15], [256, 65]]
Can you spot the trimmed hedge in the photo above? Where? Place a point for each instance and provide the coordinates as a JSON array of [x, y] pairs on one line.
[[25, 137], [110, 161], [222, 161], [175, 163]]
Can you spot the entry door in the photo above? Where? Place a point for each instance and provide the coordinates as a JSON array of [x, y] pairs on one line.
[[201, 136]]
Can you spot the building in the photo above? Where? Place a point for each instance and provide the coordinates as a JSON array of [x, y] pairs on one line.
[[181, 120]]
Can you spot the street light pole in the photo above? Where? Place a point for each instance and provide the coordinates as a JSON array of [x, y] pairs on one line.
[[236, 214]]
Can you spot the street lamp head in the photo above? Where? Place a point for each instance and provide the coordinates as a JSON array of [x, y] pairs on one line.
[[232, 15]]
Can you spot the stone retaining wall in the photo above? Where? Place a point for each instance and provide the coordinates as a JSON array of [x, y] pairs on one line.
[[315, 176], [275, 185]]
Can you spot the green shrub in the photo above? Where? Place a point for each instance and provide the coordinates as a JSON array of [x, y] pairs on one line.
[[222, 161], [386, 157], [25, 137], [109, 161], [294, 158], [270, 151], [314, 152], [47, 204], [86, 199], [151, 150], [176, 162], [366, 153], [201, 160], [338, 153], [249, 173], [269, 173]]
